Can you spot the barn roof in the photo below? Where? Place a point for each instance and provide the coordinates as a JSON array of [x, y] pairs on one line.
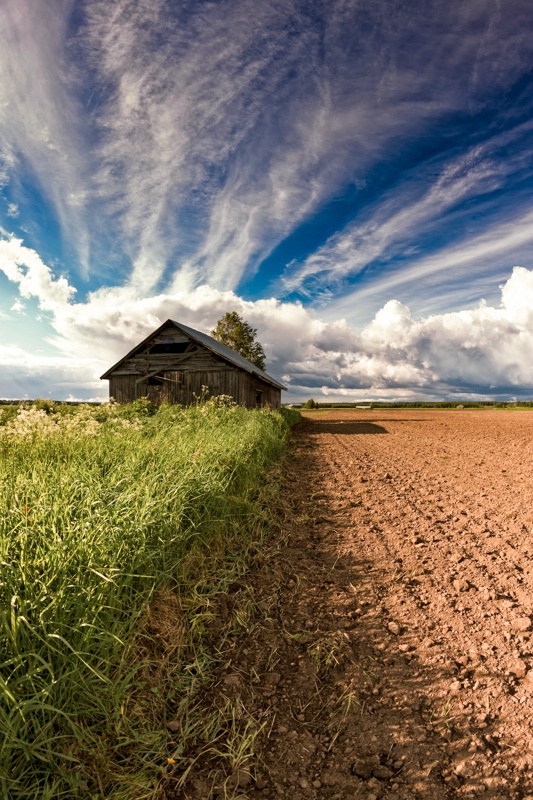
[[211, 344]]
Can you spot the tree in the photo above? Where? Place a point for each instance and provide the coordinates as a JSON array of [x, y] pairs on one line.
[[234, 332]]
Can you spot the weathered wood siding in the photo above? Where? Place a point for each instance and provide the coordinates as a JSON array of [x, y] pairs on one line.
[[178, 377], [183, 387]]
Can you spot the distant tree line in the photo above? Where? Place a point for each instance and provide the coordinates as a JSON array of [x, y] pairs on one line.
[[311, 403]]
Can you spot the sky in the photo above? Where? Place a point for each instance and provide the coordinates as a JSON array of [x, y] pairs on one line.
[[353, 177]]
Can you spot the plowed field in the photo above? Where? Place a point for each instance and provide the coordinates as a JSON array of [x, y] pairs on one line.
[[391, 655]]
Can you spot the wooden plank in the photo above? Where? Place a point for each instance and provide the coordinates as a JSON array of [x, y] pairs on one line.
[[181, 385]]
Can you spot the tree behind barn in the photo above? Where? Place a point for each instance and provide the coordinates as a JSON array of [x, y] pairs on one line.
[[233, 331]]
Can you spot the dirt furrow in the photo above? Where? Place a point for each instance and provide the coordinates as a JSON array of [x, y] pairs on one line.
[[391, 652]]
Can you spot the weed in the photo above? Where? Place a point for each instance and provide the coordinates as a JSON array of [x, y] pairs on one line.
[[342, 708], [326, 654]]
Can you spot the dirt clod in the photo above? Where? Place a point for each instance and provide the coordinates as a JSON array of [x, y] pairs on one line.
[[364, 767], [394, 628], [521, 623]]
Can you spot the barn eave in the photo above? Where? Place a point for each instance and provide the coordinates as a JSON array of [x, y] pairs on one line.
[[202, 339]]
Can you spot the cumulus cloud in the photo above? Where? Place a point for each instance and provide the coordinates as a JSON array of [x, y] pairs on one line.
[[24, 267], [395, 355], [463, 351]]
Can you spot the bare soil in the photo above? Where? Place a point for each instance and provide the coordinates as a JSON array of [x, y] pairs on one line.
[[390, 653]]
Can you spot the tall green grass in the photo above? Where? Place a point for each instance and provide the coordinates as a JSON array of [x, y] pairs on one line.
[[99, 511]]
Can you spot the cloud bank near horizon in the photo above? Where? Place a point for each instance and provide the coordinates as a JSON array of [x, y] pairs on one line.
[[457, 354]]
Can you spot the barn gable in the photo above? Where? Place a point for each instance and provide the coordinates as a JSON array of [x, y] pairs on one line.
[[174, 362]]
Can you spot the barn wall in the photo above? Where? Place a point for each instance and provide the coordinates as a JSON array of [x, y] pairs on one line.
[[182, 375], [182, 386]]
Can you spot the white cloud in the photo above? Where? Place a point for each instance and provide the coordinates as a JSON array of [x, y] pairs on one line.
[[335, 129], [397, 221], [438, 281], [194, 128], [195, 137], [476, 347], [30, 375], [40, 117], [23, 266], [465, 351]]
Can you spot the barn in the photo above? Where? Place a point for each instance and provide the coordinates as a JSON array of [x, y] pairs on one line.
[[173, 364]]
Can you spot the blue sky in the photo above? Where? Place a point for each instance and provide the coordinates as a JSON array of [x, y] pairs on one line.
[[354, 178]]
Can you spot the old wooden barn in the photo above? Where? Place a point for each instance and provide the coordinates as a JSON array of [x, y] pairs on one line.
[[173, 364]]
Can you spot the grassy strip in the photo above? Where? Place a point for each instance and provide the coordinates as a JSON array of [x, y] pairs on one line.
[[118, 529]]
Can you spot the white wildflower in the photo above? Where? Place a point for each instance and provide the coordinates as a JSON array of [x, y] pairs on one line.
[[30, 422]]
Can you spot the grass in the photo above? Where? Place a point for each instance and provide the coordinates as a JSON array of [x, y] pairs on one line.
[[119, 531], [316, 412]]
